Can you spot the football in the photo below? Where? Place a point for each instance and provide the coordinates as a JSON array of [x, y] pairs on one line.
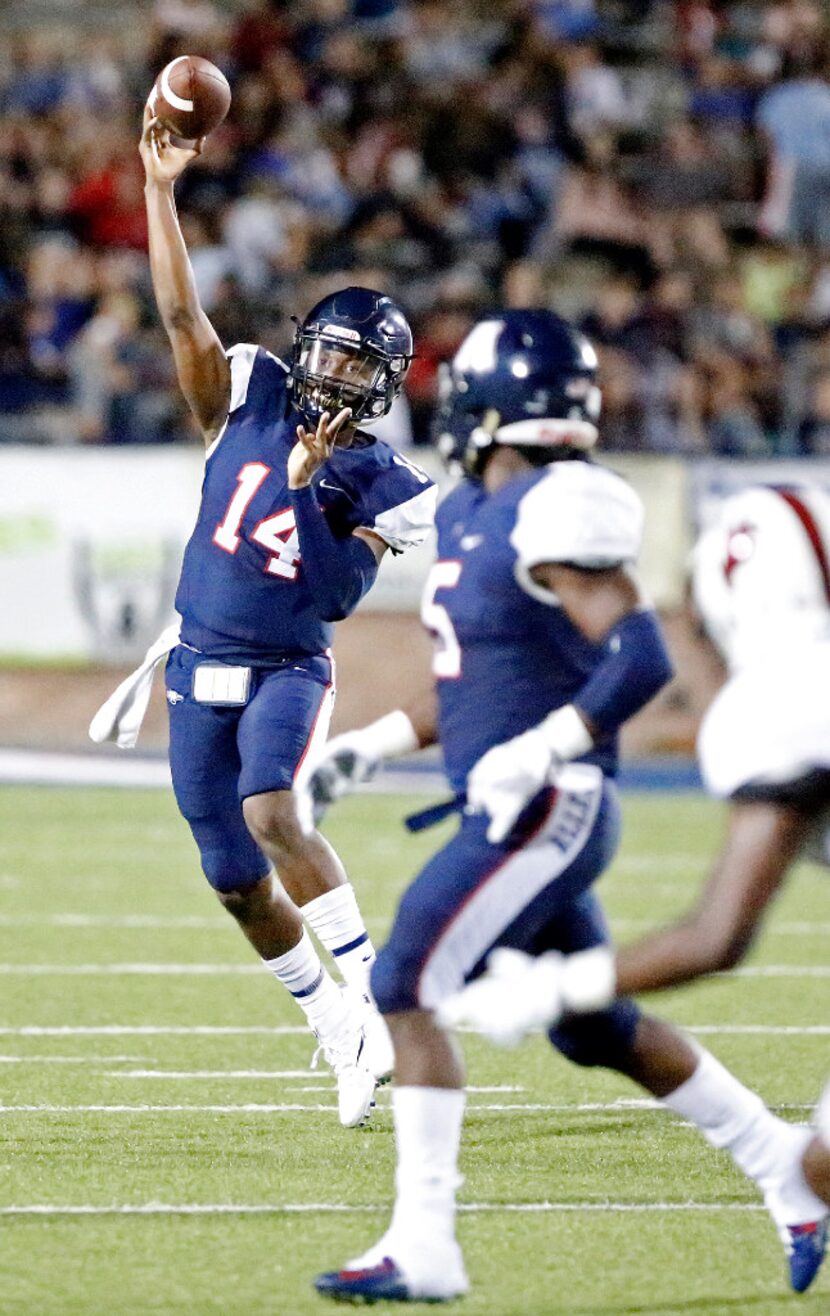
[[191, 97]]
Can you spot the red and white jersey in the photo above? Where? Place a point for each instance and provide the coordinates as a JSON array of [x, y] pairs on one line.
[[761, 573], [761, 582]]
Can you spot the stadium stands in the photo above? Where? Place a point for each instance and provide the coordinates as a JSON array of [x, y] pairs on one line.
[[659, 171]]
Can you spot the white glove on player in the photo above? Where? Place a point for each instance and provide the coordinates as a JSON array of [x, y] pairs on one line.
[[347, 761], [506, 779], [342, 766], [517, 995]]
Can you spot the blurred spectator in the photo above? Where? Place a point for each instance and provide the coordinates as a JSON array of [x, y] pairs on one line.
[[795, 116], [603, 157]]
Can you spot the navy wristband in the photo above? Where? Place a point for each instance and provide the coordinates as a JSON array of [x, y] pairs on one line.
[[338, 572], [636, 665]]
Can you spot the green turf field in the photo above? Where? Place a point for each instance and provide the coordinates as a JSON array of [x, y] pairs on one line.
[[120, 1089]]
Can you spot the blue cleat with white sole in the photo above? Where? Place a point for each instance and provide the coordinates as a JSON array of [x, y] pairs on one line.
[[380, 1283], [434, 1273], [805, 1252]]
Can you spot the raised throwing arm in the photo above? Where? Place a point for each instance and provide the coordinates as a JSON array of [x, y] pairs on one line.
[[201, 365]]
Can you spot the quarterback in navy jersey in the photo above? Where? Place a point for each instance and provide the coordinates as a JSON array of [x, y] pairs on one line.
[[545, 646], [299, 504]]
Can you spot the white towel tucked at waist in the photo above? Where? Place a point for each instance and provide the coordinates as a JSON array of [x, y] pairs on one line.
[[120, 717]]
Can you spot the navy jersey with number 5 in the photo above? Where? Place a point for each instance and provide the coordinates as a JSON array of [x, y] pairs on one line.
[[242, 594], [506, 653]]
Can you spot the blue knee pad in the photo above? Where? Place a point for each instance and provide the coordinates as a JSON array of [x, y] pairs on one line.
[[231, 859], [394, 982], [599, 1040]]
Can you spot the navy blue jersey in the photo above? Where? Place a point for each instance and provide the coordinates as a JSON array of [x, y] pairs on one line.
[[242, 593], [507, 653]]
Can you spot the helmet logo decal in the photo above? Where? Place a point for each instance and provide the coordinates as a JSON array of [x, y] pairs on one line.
[[478, 351], [740, 545]]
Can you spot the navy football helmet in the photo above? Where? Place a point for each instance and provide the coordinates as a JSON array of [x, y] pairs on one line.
[[353, 349], [526, 379]]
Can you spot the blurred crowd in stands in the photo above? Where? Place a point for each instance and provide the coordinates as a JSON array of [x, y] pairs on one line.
[[658, 171]]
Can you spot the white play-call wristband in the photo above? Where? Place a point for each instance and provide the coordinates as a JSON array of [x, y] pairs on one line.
[[566, 735], [390, 736], [588, 980]]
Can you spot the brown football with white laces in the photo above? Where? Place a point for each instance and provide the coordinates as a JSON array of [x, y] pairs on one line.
[[191, 97]]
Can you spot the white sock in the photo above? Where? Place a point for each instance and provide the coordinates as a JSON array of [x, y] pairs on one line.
[[427, 1136], [735, 1119], [314, 990], [336, 921]]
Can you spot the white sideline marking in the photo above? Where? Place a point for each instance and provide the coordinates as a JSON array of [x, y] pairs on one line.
[[301, 1208], [46, 768]]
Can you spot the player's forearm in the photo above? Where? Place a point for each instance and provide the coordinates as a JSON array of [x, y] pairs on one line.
[[672, 956], [201, 365], [172, 275], [635, 668], [338, 572]]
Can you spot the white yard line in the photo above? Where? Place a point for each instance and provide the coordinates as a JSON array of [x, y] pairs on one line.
[[112, 921], [72, 1060], [781, 971], [757, 1030], [159, 969], [213, 1074], [787, 929], [208, 1073], [207, 922], [299, 1030], [304, 1208], [156, 1030], [251, 1108], [129, 970], [621, 1107]]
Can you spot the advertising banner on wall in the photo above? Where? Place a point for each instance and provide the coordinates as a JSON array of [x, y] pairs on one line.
[[90, 547], [91, 543]]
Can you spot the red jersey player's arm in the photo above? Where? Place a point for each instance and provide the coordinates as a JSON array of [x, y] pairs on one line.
[[201, 365], [763, 840]]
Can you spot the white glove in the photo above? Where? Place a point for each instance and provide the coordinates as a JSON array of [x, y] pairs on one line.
[[347, 761], [515, 996], [519, 994], [507, 777], [342, 766]]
